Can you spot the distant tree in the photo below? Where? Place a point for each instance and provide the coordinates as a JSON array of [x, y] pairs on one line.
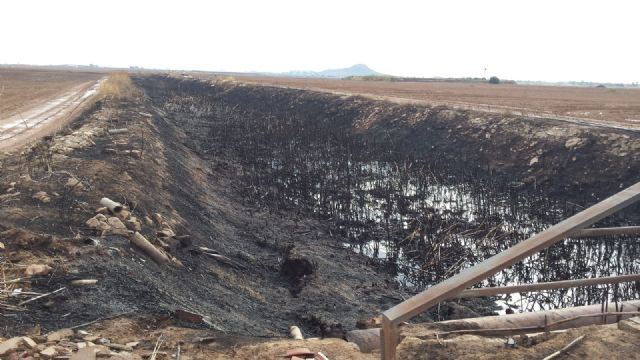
[[494, 80]]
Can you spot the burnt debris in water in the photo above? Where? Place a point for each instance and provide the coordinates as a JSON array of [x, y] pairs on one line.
[[390, 190]]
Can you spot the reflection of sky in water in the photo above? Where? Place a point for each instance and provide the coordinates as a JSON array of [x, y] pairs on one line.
[[369, 204], [429, 226]]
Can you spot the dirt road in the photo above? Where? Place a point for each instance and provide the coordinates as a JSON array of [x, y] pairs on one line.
[[43, 118]]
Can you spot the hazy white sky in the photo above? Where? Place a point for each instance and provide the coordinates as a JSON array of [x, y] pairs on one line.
[[525, 39]]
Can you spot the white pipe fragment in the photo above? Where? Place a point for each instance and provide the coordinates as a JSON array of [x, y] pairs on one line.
[[143, 244], [113, 206], [295, 333]]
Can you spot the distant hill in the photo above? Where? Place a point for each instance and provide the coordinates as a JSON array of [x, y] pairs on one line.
[[355, 70]]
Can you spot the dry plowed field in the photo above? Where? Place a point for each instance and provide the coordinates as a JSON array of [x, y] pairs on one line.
[[618, 106]]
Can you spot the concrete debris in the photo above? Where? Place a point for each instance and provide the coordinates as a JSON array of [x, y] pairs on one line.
[[116, 223], [29, 342], [49, 352], [107, 225], [143, 244], [534, 161], [118, 131], [37, 269], [102, 210], [42, 196], [84, 282], [167, 233], [575, 143], [59, 335], [114, 207], [119, 347], [133, 224], [9, 196], [10, 345], [84, 353], [123, 215], [75, 184], [632, 324], [295, 333]]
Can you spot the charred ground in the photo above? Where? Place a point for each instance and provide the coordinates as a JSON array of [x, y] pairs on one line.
[[200, 152]]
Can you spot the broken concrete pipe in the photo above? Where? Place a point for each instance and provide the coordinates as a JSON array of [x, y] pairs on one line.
[[143, 244], [118, 131], [84, 282], [295, 333], [113, 206]]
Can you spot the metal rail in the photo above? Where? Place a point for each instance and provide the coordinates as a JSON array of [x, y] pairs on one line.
[[623, 230], [451, 287], [564, 284]]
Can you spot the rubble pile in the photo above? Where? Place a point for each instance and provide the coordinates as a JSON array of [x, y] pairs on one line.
[[69, 344]]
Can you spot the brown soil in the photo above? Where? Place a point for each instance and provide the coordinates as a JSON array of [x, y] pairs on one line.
[[21, 89], [197, 344], [620, 106]]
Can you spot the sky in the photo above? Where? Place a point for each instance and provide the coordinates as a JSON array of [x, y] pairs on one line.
[[523, 40]]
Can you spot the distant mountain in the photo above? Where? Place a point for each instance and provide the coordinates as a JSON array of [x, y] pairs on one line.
[[355, 70]]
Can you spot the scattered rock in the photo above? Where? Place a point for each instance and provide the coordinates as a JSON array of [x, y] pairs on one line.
[[374, 322], [119, 347], [534, 161], [575, 143], [42, 196], [84, 353], [29, 342], [632, 324], [84, 282], [167, 233], [10, 345], [59, 335], [49, 352], [133, 224], [37, 269], [74, 184], [116, 223], [123, 214], [105, 225]]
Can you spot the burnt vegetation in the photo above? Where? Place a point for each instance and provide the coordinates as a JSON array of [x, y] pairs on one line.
[[393, 183]]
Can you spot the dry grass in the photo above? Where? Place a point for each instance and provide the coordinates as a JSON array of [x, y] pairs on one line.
[[118, 86]]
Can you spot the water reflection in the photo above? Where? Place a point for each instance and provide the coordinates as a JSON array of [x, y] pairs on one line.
[[407, 208]]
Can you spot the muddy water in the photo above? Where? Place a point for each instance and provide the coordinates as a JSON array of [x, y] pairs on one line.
[[392, 197]]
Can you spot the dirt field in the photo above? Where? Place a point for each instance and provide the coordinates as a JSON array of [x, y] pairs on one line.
[[21, 89], [36, 102], [612, 105]]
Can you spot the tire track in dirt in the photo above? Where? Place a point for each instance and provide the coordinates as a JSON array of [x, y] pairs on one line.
[[44, 118]]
